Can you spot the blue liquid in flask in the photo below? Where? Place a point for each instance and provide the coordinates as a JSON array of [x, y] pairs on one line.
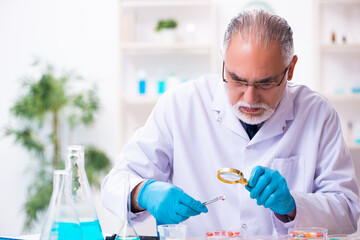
[[127, 232], [61, 222], [65, 231], [92, 230], [127, 238]]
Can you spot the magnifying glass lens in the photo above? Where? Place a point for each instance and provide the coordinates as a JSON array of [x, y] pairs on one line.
[[229, 176]]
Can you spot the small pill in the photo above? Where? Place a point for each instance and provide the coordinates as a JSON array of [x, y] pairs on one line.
[[319, 234]]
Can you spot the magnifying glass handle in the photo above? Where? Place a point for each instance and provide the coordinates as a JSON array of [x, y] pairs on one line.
[[245, 182], [214, 200]]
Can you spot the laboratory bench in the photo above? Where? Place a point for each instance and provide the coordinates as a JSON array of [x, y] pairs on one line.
[[330, 237]]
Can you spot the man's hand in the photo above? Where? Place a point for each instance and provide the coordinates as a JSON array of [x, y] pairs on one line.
[[269, 188], [167, 203]]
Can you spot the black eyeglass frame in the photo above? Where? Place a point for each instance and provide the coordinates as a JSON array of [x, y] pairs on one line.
[[263, 86]]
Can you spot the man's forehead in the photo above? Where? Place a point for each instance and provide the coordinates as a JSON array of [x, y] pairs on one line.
[[253, 42], [254, 53]]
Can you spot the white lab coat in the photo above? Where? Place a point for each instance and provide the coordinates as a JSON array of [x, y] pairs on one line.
[[192, 132]]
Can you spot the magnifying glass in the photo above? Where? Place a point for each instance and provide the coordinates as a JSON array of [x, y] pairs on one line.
[[232, 176]]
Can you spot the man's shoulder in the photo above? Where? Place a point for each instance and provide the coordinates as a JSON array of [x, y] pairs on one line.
[[304, 94], [306, 98]]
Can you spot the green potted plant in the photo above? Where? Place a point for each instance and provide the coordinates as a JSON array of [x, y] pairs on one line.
[[166, 28], [166, 24], [46, 104]]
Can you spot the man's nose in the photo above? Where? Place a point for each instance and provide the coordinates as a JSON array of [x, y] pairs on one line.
[[251, 95]]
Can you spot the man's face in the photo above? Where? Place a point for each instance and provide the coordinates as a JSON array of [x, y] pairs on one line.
[[251, 62]]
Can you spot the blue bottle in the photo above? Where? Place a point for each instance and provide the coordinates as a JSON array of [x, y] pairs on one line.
[[161, 86], [142, 82]]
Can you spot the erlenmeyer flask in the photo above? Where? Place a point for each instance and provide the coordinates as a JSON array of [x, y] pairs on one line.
[[62, 222], [81, 193], [127, 231]]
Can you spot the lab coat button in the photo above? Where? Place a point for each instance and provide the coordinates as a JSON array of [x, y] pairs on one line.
[[248, 147], [244, 226], [219, 119]]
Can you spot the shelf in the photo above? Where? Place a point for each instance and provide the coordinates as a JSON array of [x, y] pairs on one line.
[[340, 48], [345, 98], [165, 3], [140, 100], [165, 47], [353, 147], [336, 68], [140, 47], [340, 1]]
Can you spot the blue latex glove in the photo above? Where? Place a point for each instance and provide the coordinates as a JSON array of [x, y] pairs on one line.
[[269, 188], [168, 203]]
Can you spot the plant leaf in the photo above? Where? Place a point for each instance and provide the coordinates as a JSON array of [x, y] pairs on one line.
[[26, 138]]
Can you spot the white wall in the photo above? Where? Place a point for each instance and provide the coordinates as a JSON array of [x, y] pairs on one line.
[[80, 35], [83, 34]]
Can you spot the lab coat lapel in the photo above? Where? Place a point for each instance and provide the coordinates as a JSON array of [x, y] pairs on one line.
[[224, 114], [277, 123]]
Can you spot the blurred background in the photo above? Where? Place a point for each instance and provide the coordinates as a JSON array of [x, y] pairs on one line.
[[134, 50]]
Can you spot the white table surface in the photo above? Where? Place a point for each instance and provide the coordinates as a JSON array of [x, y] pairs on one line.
[[341, 237]]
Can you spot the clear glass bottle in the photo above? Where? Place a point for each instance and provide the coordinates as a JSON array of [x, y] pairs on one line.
[[127, 231], [80, 190], [62, 222]]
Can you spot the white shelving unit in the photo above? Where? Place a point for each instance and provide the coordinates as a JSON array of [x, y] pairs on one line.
[[330, 48], [165, 47], [337, 59], [191, 54]]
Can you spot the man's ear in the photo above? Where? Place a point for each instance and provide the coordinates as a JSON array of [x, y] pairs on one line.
[[292, 67]]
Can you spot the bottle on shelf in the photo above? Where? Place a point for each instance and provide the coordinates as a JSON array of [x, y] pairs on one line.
[[172, 81], [333, 37], [349, 133], [355, 84], [356, 139], [161, 85], [191, 33], [142, 82], [81, 193], [160, 81]]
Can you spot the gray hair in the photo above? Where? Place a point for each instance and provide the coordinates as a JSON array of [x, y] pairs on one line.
[[261, 27]]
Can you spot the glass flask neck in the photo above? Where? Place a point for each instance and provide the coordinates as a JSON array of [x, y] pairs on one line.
[[61, 185], [127, 231], [75, 163], [81, 193], [75, 156]]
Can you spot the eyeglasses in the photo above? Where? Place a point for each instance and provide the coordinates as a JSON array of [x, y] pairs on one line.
[[265, 84]]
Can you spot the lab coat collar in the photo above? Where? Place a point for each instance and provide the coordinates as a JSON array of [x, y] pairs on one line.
[[277, 123], [274, 126], [222, 106]]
